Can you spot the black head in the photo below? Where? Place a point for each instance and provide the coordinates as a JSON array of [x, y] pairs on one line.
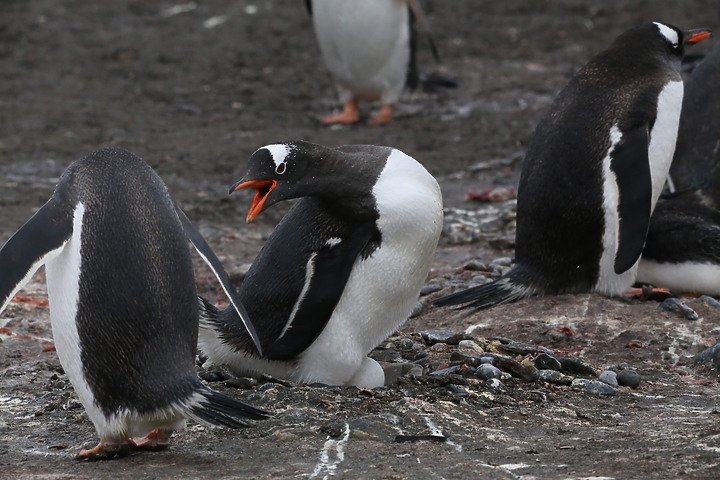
[[282, 163], [665, 39]]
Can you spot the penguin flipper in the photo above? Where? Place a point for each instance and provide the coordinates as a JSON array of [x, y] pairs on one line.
[[214, 263], [38, 241], [327, 275], [631, 165], [506, 289]]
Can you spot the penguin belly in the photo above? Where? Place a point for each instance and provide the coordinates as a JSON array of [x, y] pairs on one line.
[[365, 45]]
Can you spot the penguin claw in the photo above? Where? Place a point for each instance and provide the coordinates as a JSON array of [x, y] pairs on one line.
[[106, 451]]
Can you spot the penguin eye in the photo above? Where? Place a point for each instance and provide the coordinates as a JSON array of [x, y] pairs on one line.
[[280, 169]]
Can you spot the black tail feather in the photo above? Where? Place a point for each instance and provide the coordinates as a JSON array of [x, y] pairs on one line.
[[502, 290], [209, 313], [216, 408]]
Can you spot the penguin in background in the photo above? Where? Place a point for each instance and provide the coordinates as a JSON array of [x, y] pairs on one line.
[[123, 303], [340, 272], [369, 47], [593, 172], [696, 164], [682, 250]]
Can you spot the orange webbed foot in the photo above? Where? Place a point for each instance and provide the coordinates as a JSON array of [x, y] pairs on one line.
[[158, 439], [105, 450], [350, 114], [383, 117]]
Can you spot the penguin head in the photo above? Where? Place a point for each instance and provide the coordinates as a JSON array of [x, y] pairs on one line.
[[675, 40], [280, 164]]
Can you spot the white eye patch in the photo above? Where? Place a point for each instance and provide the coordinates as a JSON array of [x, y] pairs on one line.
[[667, 32], [279, 153]]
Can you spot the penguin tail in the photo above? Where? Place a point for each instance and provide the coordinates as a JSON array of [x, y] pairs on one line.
[[435, 81], [209, 314], [506, 289], [214, 408]]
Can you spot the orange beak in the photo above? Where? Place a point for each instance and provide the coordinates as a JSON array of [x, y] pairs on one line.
[[698, 35], [262, 190]]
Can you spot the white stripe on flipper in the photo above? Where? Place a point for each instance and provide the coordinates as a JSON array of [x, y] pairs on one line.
[[309, 272]]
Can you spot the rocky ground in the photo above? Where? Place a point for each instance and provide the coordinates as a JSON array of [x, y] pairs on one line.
[[194, 88]]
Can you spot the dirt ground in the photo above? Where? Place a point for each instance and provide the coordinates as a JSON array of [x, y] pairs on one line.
[[194, 88]]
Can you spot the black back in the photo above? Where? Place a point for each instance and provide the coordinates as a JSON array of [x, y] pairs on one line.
[[137, 317], [696, 165], [560, 212]]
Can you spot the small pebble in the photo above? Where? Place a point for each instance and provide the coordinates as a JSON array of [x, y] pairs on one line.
[[708, 300], [593, 387], [609, 377], [244, 383], [406, 343], [554, 377], [446, 371], [431, 337], [470, 345], [628, 378], [417, 309], [487, 372], [520, 348], [468, 358], [524, 372], [676, 305], [495, 384], [547, 362], [431, 288], [211, 376], [576, 366], [475, 265]]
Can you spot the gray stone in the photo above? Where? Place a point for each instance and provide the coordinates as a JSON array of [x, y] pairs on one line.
[[547, 362], [676, 305], [417, 309], [468, 358], [431, 337], [431, 288], [628, 378], [593, 387], [576, 366], [554, 377], [520, 348], [487, 372], [516, 369], [708, 300], [609, 377], [495, 384], [446, 371]]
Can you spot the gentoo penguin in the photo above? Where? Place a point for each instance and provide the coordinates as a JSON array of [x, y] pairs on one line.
[[682, 250], [123, 304], [369, 48], [696, 165], [593, 171], [340, 272]]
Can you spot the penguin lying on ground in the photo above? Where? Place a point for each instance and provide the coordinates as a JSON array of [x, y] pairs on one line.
[[340, 272], [123, 304], [369, 47], [593, 172], [696, 164], [682, 250]]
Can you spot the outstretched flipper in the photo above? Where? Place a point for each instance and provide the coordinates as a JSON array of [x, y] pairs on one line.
[[211, 259], [38, 241]]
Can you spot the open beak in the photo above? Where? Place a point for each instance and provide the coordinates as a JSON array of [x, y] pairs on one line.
[[697, 35], [262, 190]]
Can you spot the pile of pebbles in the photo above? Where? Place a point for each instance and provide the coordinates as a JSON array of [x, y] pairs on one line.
[[497, 362]]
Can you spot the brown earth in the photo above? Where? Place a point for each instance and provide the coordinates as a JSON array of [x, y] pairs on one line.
[[194, 91]]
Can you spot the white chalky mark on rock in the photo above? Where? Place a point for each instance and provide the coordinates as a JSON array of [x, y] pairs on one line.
[[327, 466], [437, 432]]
